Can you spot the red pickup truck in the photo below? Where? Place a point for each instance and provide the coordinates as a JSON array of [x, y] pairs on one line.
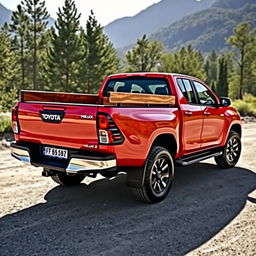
[[139, 123]]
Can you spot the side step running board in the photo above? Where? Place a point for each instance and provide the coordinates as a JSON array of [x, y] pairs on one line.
[[196, 158]]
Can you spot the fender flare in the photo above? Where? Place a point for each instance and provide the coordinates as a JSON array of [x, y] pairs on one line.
[[234, 122], [136, 175]]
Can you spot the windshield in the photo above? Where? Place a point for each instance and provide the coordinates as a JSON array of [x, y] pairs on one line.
[[138, 85]]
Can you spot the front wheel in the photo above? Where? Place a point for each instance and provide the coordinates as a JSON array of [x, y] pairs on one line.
[[159, 173], [231, 151], [67, 180]]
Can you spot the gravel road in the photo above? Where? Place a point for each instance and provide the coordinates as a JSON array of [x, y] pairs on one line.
[[208, 212]]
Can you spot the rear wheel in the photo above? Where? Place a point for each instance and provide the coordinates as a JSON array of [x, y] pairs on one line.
[[159, 173], [67, 180], [231, 151]]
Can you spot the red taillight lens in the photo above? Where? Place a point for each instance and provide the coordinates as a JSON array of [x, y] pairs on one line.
[[15, 114], [108, 130], [15, 123], [103, 122]]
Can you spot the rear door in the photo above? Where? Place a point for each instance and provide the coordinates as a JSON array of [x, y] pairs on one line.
[[192, 114], [61, 125], [213, 116]]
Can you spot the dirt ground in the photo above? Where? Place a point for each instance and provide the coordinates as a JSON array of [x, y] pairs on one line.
[[208, 212]]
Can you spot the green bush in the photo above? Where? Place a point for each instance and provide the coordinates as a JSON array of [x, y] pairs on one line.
[[246, 106], [8, 100], [5, 123]]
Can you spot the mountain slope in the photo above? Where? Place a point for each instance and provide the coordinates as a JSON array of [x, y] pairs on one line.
[[232, 4], [127, 30], [208, 29], [5, 15]]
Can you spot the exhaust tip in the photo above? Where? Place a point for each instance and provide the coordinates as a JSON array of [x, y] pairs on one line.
[[45, 174], [48, 173]]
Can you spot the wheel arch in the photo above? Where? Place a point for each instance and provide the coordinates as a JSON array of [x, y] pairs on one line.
[[237, 128], [234, 126], [168, 141], [136, 175]]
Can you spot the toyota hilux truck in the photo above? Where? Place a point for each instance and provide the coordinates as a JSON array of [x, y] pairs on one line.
[[141, 124]]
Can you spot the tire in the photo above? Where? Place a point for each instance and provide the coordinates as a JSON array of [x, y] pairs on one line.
[[231, 151], [67, 180], [159, 173]]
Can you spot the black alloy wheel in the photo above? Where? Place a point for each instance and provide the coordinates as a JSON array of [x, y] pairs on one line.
[[231, 151]]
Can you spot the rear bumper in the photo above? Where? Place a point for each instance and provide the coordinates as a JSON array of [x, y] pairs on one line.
[[79, 161], [21, 153], [79, 165]]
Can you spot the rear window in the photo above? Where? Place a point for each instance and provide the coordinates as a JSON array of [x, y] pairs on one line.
[[157, 86]]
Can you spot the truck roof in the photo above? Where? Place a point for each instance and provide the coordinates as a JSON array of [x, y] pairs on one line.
[[147, 74]]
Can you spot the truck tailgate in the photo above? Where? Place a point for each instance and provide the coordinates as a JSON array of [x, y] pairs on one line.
[[61, 125]]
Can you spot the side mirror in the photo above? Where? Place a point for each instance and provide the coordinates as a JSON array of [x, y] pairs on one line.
[[224, 102]]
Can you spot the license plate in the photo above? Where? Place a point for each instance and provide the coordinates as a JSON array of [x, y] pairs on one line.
[[55, 152]]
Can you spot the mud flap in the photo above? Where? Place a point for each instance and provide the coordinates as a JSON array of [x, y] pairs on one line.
[[135, 176]]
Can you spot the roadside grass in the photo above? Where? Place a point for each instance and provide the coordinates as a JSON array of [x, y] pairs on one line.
[[246, 106], [5, 122]]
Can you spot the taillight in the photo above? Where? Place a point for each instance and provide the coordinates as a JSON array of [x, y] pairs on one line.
[[108, 130], [15, 121], [103, 122]]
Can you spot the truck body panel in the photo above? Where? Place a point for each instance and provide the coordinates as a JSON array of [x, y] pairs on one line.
[[140, 127], [73, 131]]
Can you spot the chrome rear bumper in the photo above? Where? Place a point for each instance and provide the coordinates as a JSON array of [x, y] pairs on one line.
[[21, 154], [78, 165], [75, 165]]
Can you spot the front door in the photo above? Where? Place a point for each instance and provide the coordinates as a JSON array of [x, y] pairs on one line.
[[213, 116], [192, 115]]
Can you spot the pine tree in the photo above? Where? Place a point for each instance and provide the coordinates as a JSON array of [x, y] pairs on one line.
[[8, 63], [211, 69], [243, 41], [102, 58], [222, 81], [253, 84], [5, 28], [8, 71], [37, 24], [145, 56], [186, 61], [65, 55], [19, 28]]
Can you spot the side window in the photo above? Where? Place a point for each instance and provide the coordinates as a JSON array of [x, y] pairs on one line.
[[187, 90], [204, 95]]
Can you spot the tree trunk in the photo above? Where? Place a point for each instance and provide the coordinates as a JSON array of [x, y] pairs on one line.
[[22, 64], [34, 55], [241, 75]]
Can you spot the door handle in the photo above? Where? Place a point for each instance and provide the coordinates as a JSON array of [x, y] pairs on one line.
[[188, 113], [207, 113]]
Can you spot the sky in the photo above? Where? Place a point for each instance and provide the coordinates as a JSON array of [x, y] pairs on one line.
[[105, 10]]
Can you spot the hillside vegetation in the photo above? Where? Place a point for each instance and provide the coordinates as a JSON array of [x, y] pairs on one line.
[[208, 29]]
